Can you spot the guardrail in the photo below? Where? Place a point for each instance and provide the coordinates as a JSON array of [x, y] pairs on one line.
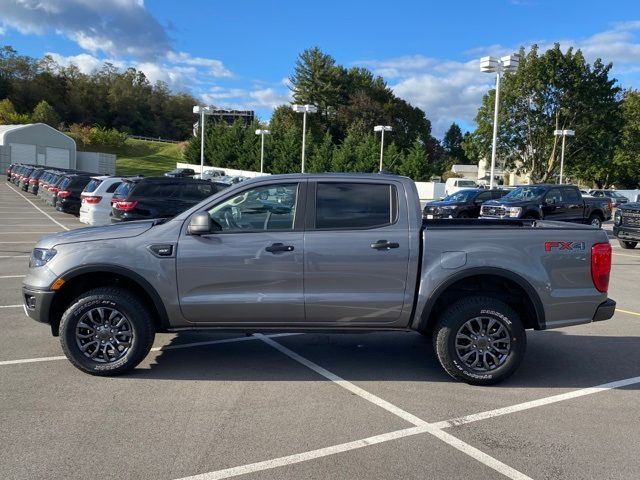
[[152, 139]]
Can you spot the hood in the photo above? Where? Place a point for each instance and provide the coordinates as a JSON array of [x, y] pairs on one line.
[[119, 230], [509, 202], [441, 204], [631, 206]]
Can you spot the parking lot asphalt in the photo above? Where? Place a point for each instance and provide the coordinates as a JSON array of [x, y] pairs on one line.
[[314, 406]]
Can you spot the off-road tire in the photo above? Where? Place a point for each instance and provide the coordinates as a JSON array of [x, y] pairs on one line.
[[627, 245], [453, 319], [126, 303]]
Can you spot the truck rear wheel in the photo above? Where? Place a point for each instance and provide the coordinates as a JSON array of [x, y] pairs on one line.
[[106, 331], [627, 245], [595, 220], [479, 340]]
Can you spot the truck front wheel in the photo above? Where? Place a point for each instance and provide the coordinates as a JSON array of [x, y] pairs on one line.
[[479, 340], [627, 245], [106, 331]]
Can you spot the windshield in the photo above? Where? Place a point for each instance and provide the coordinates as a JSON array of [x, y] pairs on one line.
[[525, 193], [461, 196]]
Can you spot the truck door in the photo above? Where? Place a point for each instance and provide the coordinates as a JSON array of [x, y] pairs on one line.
[[251, 270], [553, 205], [356, 253], [574, 204]]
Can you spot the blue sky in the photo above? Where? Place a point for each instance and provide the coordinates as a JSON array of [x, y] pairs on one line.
[[239, 54]]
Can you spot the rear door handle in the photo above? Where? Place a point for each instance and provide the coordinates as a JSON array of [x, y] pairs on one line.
[[279, 247], [384, 245]]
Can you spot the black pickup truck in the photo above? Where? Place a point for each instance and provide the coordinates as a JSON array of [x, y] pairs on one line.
[[563, 203], [626, 225]]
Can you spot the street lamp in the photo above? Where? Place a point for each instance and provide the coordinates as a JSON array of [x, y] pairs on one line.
[[262, 133], [564, 134], [382, 129], [304, 109], [202, 110], [508, 63]]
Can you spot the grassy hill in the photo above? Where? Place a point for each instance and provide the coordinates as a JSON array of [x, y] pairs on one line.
[[143, 157]]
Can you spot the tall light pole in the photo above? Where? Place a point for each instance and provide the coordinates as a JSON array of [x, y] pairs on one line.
[[304, 109], [382, 129], [201, 110], [262, 133], [508, 63], [564, 134]]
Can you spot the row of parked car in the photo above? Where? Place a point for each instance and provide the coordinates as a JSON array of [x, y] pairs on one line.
[[549, 201], [104, 199]]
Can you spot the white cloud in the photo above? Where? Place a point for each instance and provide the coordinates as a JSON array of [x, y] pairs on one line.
[[451, 91], [239, 98], [214, 67], [114, 27]]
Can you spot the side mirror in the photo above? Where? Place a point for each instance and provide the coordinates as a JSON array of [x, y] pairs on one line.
[[202, 224]]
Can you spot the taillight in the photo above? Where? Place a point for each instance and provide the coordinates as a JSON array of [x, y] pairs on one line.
[[124, 205], [53, 189], [63, 194], [92, 200], [601, 266], [33, 181]]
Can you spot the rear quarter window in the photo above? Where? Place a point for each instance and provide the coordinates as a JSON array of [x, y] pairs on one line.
[[114, 187], [92, 186]]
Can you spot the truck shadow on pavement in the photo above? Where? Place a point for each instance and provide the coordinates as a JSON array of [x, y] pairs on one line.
[[553, 359]]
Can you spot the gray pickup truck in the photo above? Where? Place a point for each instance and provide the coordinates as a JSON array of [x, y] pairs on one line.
[[332, 252]]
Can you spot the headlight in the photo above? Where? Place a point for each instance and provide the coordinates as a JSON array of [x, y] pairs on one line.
[[40, 256], [514, 212], [617, 218]]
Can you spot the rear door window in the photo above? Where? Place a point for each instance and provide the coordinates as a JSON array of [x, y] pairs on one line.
[[570, 195], [355, 205], [123, 190]]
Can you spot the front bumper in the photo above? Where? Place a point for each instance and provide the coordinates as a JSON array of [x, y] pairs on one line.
[[605, 310], [626, 233], [37, 303]]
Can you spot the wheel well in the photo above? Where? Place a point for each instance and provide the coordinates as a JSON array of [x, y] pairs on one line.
[[597, 213], [79, 284], [496, 286], [532, 214]]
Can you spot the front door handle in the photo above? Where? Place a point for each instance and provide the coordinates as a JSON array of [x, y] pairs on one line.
[[279, 247], [384, 245]]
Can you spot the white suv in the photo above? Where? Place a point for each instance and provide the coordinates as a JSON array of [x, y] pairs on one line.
[[96, 200]]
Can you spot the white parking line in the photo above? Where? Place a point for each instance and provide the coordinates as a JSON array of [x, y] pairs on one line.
[[155, 349], [306, 456], [447, 438], [454, 422], [625, 255], [14, 256], [628, 312], [11, 306], [39, 209], [29, 241], [24, 233], [12, 276]]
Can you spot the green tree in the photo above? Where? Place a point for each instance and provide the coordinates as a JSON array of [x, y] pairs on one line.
[[45, 113], [626, 170], [555, 90], [321, 155], [415, 163], [452, 143], [9, 116]]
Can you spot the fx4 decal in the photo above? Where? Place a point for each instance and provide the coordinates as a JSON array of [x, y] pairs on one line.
[[549, 246]]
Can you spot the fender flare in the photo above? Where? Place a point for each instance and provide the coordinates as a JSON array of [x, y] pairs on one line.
[[129, 274], [422, 319]]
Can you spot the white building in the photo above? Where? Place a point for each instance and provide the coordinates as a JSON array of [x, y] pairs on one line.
[[37, 144]]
